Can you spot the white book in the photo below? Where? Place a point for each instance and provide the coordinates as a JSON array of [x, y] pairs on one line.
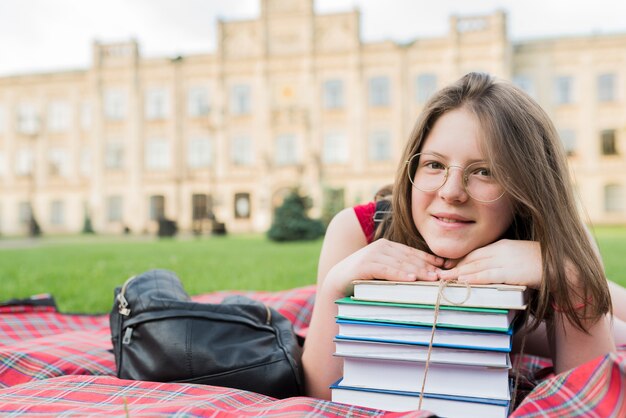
[[448, 316], [412, 334], [455, 294], [442, 378], [413, 352], [442, 405]]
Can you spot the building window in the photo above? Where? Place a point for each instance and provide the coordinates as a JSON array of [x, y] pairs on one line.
[[525, 83], [199, 153], [86, 115], [157, 154], [241, 151], [114, 208], [379, 93], [609, 142], [425, 86], [27, 119], [56, 213], [3, 120], [568, 138], [114, 155], [59, 115], [380, 146], [335, 148], [24, 212], [563, 90], [114, 105], [24, 162], [606, 87], [197, 101], [85, 162], [333, 94], [156, 106], [199, 206], [286, 150], [240, 100], [614, 198], [58, 164], [3, 164], [242, 205], [157, 207]]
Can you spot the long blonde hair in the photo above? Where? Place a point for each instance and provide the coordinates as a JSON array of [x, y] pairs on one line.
[[527, 157]]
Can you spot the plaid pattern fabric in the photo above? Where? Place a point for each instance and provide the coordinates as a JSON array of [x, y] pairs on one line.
[[36, 343], [594, 389], [53, 364], [84, 396]]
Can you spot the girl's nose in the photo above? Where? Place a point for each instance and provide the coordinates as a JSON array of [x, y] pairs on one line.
[[453, 189]]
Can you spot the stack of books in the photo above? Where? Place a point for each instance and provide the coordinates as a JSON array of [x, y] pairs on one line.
[[384, 340]]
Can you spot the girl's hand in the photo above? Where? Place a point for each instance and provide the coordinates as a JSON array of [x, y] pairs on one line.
[[384, 259], [506, 261]]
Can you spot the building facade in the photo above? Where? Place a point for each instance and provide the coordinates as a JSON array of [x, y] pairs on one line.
[[290, 99]]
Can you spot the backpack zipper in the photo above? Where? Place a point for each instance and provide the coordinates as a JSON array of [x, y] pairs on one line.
[[127, 334], [122, 302], [268, 318]]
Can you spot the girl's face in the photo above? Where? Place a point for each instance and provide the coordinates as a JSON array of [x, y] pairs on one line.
[[451, 222]]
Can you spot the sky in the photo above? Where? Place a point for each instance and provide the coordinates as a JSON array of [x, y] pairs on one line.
[[50, 35]]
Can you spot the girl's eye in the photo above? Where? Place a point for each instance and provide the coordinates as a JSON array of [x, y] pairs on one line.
[[434, 165], [481, 171]]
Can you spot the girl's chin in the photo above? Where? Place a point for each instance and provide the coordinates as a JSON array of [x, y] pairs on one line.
[[449, 252]]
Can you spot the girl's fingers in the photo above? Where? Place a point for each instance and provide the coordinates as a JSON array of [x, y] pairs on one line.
[[401, 250], [493, 276]]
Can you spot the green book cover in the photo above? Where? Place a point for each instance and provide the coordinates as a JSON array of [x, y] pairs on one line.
[[350, 300], [470, 318]]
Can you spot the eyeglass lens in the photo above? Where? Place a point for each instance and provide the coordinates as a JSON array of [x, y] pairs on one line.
[[428, 173]]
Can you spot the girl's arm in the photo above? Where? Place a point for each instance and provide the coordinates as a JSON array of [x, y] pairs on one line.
[[343, 237], [345, 257], [519, 262], [573, 347]]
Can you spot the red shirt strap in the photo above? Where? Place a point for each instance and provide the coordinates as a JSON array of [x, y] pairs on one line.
[[365, 215]]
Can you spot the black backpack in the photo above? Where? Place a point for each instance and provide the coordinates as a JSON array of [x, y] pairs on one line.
[[160, 335]]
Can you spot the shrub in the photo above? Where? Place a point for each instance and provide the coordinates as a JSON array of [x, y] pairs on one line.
[[291, 222]]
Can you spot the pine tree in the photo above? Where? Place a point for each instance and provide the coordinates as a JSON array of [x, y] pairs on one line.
[[291, 222]]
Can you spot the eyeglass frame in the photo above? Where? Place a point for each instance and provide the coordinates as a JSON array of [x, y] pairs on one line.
[[445, 178]]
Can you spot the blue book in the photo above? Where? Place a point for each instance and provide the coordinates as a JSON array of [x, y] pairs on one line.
[[402, 401], [420, 335]]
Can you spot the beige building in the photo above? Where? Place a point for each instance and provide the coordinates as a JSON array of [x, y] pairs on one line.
[[291, 99]]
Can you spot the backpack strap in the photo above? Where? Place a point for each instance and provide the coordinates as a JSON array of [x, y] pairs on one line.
[[383, 211]]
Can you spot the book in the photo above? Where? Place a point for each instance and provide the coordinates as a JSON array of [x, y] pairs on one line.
[[413, 352], [480, 296], [442, 378], [400, 401], [420, 335], [414, 314]]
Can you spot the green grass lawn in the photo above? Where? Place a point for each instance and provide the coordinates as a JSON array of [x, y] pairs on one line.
[[612, 243], [82, 272]]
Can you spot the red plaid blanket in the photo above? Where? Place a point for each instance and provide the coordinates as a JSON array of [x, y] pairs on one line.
[[55, 364]]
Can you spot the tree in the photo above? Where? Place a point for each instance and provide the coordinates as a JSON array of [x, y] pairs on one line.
[[291, 222], [34, 230], [87, 226]]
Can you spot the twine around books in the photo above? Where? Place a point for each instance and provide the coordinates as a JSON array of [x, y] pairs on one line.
[[441, 295]]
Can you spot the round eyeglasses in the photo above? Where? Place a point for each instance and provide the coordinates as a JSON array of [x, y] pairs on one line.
[[428, 173]]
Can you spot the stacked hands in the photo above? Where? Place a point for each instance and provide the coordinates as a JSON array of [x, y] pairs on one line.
[[505, 261]]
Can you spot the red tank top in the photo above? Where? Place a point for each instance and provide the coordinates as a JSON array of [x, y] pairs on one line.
[[365, 215]]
